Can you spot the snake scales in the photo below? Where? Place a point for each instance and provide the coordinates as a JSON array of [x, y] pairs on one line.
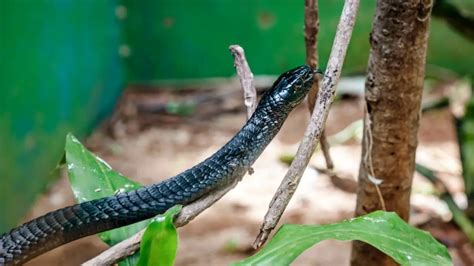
[[226, 165]]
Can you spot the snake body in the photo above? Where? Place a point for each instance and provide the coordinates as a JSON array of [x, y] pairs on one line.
[[226, 165]]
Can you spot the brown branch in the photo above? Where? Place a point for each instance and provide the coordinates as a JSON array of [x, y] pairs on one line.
[[316, 124], [323, 141], [311, 29], [131, 245], [246, 78]]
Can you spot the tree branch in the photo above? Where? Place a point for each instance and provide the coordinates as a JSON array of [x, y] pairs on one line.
[[131, 245], [311, 29], [316, 124]]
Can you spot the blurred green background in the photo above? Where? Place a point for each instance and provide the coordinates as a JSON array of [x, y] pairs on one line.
[[60, 71], [64, 64]]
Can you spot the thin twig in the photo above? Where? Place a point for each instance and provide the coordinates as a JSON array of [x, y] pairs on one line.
[[246, 78], [189, 212], [323, 141], [316, 124], [311, 29]]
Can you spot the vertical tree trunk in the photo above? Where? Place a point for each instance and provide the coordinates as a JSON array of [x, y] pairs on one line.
[[393, 96]]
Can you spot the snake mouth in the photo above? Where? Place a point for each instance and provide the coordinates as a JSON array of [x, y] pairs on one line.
[[309, 77], [311, 72], [306, 73]]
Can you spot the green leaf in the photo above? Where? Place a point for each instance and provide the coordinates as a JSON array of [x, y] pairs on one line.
[[92, 178], [160, 240], [383, 230]]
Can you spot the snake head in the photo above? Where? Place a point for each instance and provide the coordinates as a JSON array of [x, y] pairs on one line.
[[292, 86]]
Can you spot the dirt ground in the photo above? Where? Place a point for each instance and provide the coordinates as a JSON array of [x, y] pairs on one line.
[[151, 147]]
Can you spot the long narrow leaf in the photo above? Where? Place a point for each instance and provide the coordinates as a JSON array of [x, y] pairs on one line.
[[385, 231]]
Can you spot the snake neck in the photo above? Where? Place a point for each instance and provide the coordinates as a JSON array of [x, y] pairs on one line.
[[230, 162], [259, 131]]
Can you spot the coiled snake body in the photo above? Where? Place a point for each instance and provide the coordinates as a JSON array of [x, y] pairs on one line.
[[226, 165]]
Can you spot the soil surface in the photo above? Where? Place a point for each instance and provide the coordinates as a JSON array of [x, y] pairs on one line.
[[152, 146]]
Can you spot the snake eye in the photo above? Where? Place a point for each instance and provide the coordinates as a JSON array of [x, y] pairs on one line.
[[298, 83]]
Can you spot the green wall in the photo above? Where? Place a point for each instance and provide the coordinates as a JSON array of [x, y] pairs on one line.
[[59, 72], [185, 39]]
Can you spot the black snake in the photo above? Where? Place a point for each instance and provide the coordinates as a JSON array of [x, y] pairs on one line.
[[226, 165]]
